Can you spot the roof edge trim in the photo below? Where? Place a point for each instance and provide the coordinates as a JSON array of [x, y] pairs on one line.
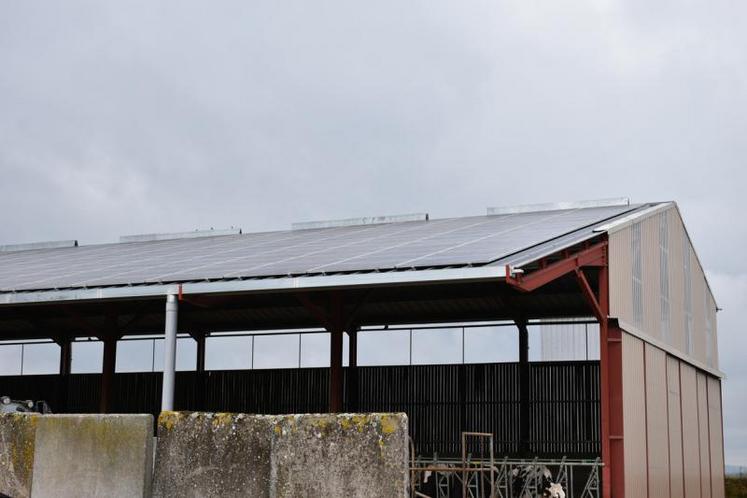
[[486, 273]]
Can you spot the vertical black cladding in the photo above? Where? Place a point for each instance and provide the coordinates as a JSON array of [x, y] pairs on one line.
[[525, 391], [440, 400]]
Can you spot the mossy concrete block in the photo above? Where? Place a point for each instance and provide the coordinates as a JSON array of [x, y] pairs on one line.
[[93, 455], [232, 455], [340, 456], [17, 437]]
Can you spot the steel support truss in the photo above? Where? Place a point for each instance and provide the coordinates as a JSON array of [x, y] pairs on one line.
[[610, 354]]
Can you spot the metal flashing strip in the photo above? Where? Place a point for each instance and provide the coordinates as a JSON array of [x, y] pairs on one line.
[[633, 330], [258, 285], [367, 220], [31, 246], [558, 206], [628, 220], [151, 237]]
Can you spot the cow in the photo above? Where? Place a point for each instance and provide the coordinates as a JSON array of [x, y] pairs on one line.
[[527, 479]]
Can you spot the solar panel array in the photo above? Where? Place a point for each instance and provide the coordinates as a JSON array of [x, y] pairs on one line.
[[465, 241]]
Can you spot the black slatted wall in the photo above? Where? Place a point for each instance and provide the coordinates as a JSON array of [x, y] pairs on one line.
[[440, 400]]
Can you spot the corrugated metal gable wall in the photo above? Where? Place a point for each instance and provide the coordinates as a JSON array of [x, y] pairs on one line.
[[698, 311], [694, 300], [651, 285], [621, 269], [676, 281]]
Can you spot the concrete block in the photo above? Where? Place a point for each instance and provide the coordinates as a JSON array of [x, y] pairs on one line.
[[93, 455], [17, 436], [233, 455]]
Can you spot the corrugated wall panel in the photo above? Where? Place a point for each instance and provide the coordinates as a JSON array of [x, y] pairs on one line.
[[622, 303], [634, 424], [664, 277], [690, 430], [657, 422], [703, 433], [717, 437], [675, 428], [676, 283], [621, 269], [699, 326], [710, 316], [651, 287], [714, 327]]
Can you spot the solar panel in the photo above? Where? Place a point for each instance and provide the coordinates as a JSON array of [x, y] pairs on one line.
[[477, 240]]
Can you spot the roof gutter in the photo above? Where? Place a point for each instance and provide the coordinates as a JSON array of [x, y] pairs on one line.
[[319, 282]]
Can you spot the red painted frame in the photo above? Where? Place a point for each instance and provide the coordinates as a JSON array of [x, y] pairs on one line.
[[610, 351]]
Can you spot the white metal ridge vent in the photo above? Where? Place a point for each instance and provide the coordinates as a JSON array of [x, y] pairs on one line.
[[366, 220], [559, 206], [151, 237], [52, 244]]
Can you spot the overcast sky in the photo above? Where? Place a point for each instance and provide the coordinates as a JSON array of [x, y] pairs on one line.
[[132, 117]]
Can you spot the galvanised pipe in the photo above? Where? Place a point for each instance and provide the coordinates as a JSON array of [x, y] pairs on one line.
[[169, 354]]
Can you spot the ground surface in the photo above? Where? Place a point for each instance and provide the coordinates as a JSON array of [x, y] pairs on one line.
[[736, 487]]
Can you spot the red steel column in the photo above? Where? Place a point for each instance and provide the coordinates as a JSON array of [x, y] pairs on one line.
[[200, 338], [613, 473], [107, 373], [333, 319], [66, 360], [66, 355], [352, 378], [335, 373], [525, 412], [335, 360]]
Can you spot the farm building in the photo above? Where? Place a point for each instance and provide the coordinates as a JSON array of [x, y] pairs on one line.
[[612, 363]]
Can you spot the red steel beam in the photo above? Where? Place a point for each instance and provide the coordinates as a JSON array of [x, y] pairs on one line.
[[595, 255], [588, 293], [321, 314]]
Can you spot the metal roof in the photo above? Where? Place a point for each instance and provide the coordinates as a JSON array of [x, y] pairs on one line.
[[433, 250]]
